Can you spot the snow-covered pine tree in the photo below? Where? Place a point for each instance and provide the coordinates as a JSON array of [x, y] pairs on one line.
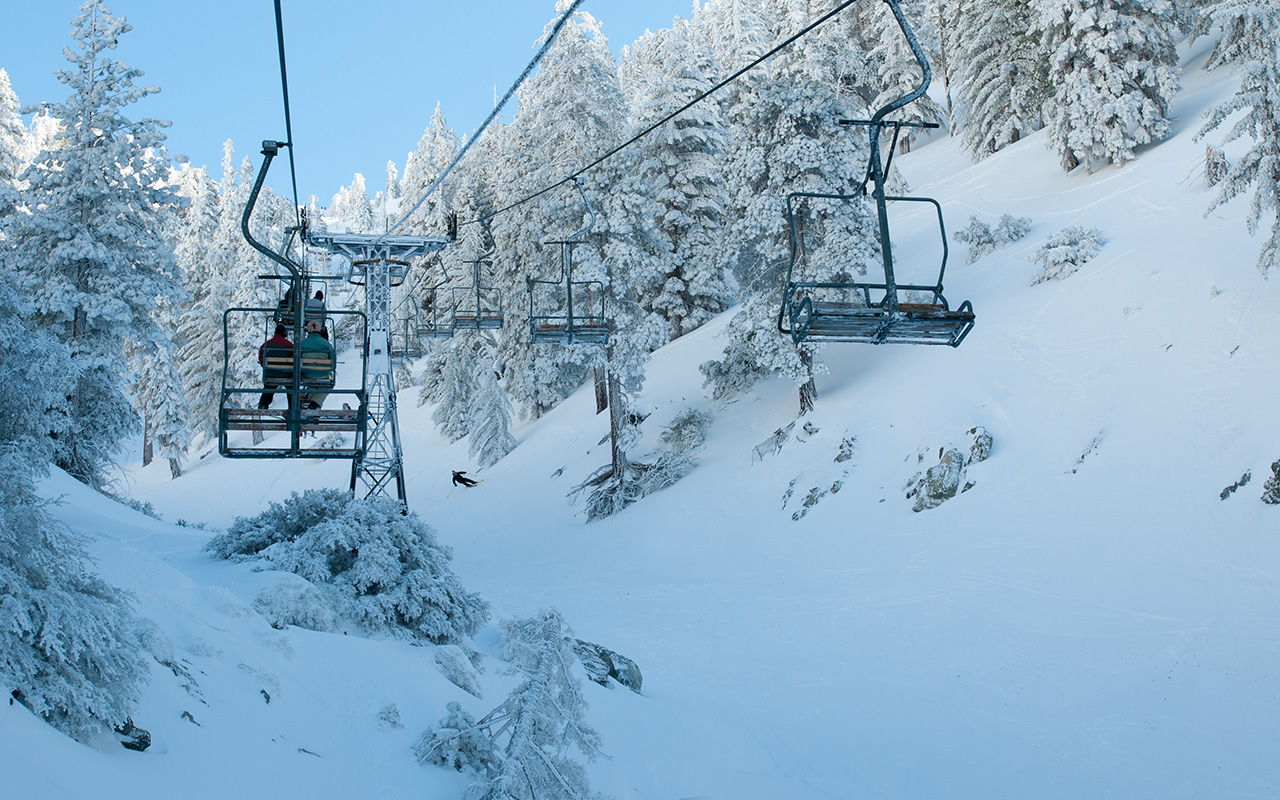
[[390, 209], [455, 387], [159, 398], [571, 110], [682, 165], [1003, 73], [490, 423], [786, 139], [437, 147], [13, 136], [541, 719], [1114, 73], [1248, 45], [197, 356], [67, 648], [351, 208], [90, 247]]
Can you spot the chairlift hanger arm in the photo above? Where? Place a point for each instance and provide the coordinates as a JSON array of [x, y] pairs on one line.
[[269, 150]]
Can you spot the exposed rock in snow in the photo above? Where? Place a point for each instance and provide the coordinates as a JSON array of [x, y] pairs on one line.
[[602, 664]]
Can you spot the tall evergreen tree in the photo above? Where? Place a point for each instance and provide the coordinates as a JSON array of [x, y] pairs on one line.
[[490, 424], [90, 248], [67, 648], [786, 139], [160, 400], [682, 166], [436, 149], [1003, 73], [13, 136], [198, 356], [571, 110], [351, 208], [1248, 44], [1114, 73]]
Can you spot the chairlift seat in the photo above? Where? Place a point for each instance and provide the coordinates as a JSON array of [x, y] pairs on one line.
[[482, 321], [435, 331], [913, 323], [581, 332], [260, 419], [277, 368]]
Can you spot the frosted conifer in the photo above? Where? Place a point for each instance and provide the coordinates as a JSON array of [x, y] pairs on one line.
[[1248, 45], [682, 165], [1114, 72], [66, 644], [1002, 73], [96, 284]]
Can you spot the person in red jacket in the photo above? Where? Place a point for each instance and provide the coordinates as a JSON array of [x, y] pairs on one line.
[[281, 344]]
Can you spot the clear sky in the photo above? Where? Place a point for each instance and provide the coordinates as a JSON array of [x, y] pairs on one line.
[[364, 77]]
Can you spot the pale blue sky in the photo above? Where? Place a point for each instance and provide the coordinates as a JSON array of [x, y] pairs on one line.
[[364, 77]]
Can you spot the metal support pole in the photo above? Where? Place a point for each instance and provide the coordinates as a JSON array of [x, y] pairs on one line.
[[380, 259]]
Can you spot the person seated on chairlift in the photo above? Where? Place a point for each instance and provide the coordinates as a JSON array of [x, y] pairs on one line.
[[280, 342], [316, 311], [315, 344], [284, 309]]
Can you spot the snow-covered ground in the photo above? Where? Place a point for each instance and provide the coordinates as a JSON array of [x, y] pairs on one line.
[[1090, 619]]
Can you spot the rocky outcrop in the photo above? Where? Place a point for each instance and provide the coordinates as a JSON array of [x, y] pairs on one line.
[[946, 479], [602, 664], [939, 483], [1271, 489]]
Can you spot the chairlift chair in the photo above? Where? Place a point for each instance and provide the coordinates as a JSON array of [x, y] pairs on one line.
[[869, 311], [283, 370], [572, 312], [435, 317], [477, 307]]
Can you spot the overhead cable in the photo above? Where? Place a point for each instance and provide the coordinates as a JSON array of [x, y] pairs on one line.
[[546, 45], [573, 176]]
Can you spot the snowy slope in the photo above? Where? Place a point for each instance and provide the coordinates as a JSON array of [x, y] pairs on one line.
[[1089, 619]]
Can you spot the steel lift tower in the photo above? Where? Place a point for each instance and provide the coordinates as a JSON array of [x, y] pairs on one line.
[[378, 261]]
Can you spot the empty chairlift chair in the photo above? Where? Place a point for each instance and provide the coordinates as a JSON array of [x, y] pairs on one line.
[[477, 307], [566, 311], [849, 310]]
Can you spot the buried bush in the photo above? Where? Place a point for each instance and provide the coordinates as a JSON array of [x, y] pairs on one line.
[[376, 565]]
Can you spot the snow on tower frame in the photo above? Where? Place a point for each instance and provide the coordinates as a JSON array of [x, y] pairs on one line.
[[567, 324], [283, 371], [821, 310], [377, 260]]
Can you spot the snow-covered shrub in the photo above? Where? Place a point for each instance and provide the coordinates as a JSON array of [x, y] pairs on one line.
[[282, 522], [611, 493], [1065, 251], [69, 649], [295, 602], [982, 240], [688, 430], [458, 742], [539, 721], [453, 663], [379, 566]]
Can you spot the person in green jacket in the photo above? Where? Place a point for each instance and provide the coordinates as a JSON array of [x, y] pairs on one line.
[[315, 344]]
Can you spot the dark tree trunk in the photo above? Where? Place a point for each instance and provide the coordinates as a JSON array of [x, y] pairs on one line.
[[148, 448]]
